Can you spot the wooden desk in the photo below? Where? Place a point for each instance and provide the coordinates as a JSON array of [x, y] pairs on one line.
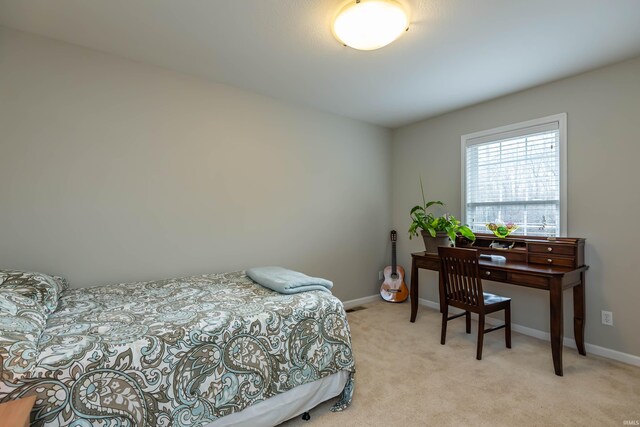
[[525, 269]]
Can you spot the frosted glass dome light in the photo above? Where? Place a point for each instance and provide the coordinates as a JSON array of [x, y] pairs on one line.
[[370, 24]]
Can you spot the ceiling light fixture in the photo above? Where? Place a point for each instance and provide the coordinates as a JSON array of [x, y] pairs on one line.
[[370, 24]]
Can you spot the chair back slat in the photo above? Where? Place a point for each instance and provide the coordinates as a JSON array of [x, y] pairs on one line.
[[460, 272]]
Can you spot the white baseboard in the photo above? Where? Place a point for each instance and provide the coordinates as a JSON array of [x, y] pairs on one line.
[[545, 336], [355, 302]]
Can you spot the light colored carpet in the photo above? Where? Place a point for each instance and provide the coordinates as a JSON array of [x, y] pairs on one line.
[[406, 378]]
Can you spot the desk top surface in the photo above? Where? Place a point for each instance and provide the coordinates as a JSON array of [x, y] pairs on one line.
[[513, 265]]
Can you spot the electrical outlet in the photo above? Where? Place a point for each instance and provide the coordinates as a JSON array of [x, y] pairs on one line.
[[607, 318], [380, 275]]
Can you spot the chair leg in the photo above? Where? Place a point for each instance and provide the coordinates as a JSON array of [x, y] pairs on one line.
[[468, 320], [480, 335], [443, 334], [507, 322]]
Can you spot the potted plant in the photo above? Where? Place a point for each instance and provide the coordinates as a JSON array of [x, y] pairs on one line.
[[436, 231]]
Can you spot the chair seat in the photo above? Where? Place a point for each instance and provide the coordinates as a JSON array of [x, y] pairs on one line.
[[493, 299]]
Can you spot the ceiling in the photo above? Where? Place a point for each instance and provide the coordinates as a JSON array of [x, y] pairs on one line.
[[456, 53]]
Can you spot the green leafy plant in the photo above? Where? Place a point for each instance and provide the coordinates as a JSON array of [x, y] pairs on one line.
[[423, 220]]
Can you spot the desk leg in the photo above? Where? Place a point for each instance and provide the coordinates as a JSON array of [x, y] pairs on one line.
[[443, 306], [557, 325], [579, 314], [415, 282]]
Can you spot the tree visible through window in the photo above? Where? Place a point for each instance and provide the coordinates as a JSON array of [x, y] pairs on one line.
[[514, 174]]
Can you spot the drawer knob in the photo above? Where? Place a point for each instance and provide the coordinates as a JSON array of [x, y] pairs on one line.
[[488, 273], [550, 249], [549, 260]]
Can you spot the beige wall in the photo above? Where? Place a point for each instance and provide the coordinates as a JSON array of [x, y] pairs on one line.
[[111, 170], [603, 108]]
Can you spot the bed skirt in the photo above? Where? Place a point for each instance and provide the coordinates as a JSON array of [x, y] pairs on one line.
[[289, 404]]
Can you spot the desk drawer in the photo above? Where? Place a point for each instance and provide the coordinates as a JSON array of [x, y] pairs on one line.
[[552, 260], [540, 282], [496, 275], [551, 249]]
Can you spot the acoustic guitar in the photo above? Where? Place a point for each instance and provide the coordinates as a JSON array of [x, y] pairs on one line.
[[393, 288]]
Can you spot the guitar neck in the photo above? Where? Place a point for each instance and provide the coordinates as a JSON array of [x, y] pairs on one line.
[[393, 258]]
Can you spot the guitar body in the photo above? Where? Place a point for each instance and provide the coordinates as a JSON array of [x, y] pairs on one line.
[[393, 288]]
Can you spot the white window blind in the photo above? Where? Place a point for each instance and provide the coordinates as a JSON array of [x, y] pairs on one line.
[[515, 176]]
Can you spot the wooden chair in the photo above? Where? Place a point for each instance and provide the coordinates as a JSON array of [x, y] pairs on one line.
[[461, 287]]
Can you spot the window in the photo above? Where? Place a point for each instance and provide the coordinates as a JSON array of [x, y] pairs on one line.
[[517, 173]]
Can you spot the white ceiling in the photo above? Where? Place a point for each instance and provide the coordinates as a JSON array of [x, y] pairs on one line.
[[456, 53]]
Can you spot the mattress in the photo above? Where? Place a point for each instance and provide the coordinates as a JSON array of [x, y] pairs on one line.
[[181, 352]]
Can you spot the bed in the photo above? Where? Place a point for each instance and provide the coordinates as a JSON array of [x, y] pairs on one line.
[[209, 350]]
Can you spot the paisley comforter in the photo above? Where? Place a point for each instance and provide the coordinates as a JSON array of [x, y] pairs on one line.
[[179, 352]]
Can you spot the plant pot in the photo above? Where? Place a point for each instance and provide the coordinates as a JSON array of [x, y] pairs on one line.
[[431, 243]]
